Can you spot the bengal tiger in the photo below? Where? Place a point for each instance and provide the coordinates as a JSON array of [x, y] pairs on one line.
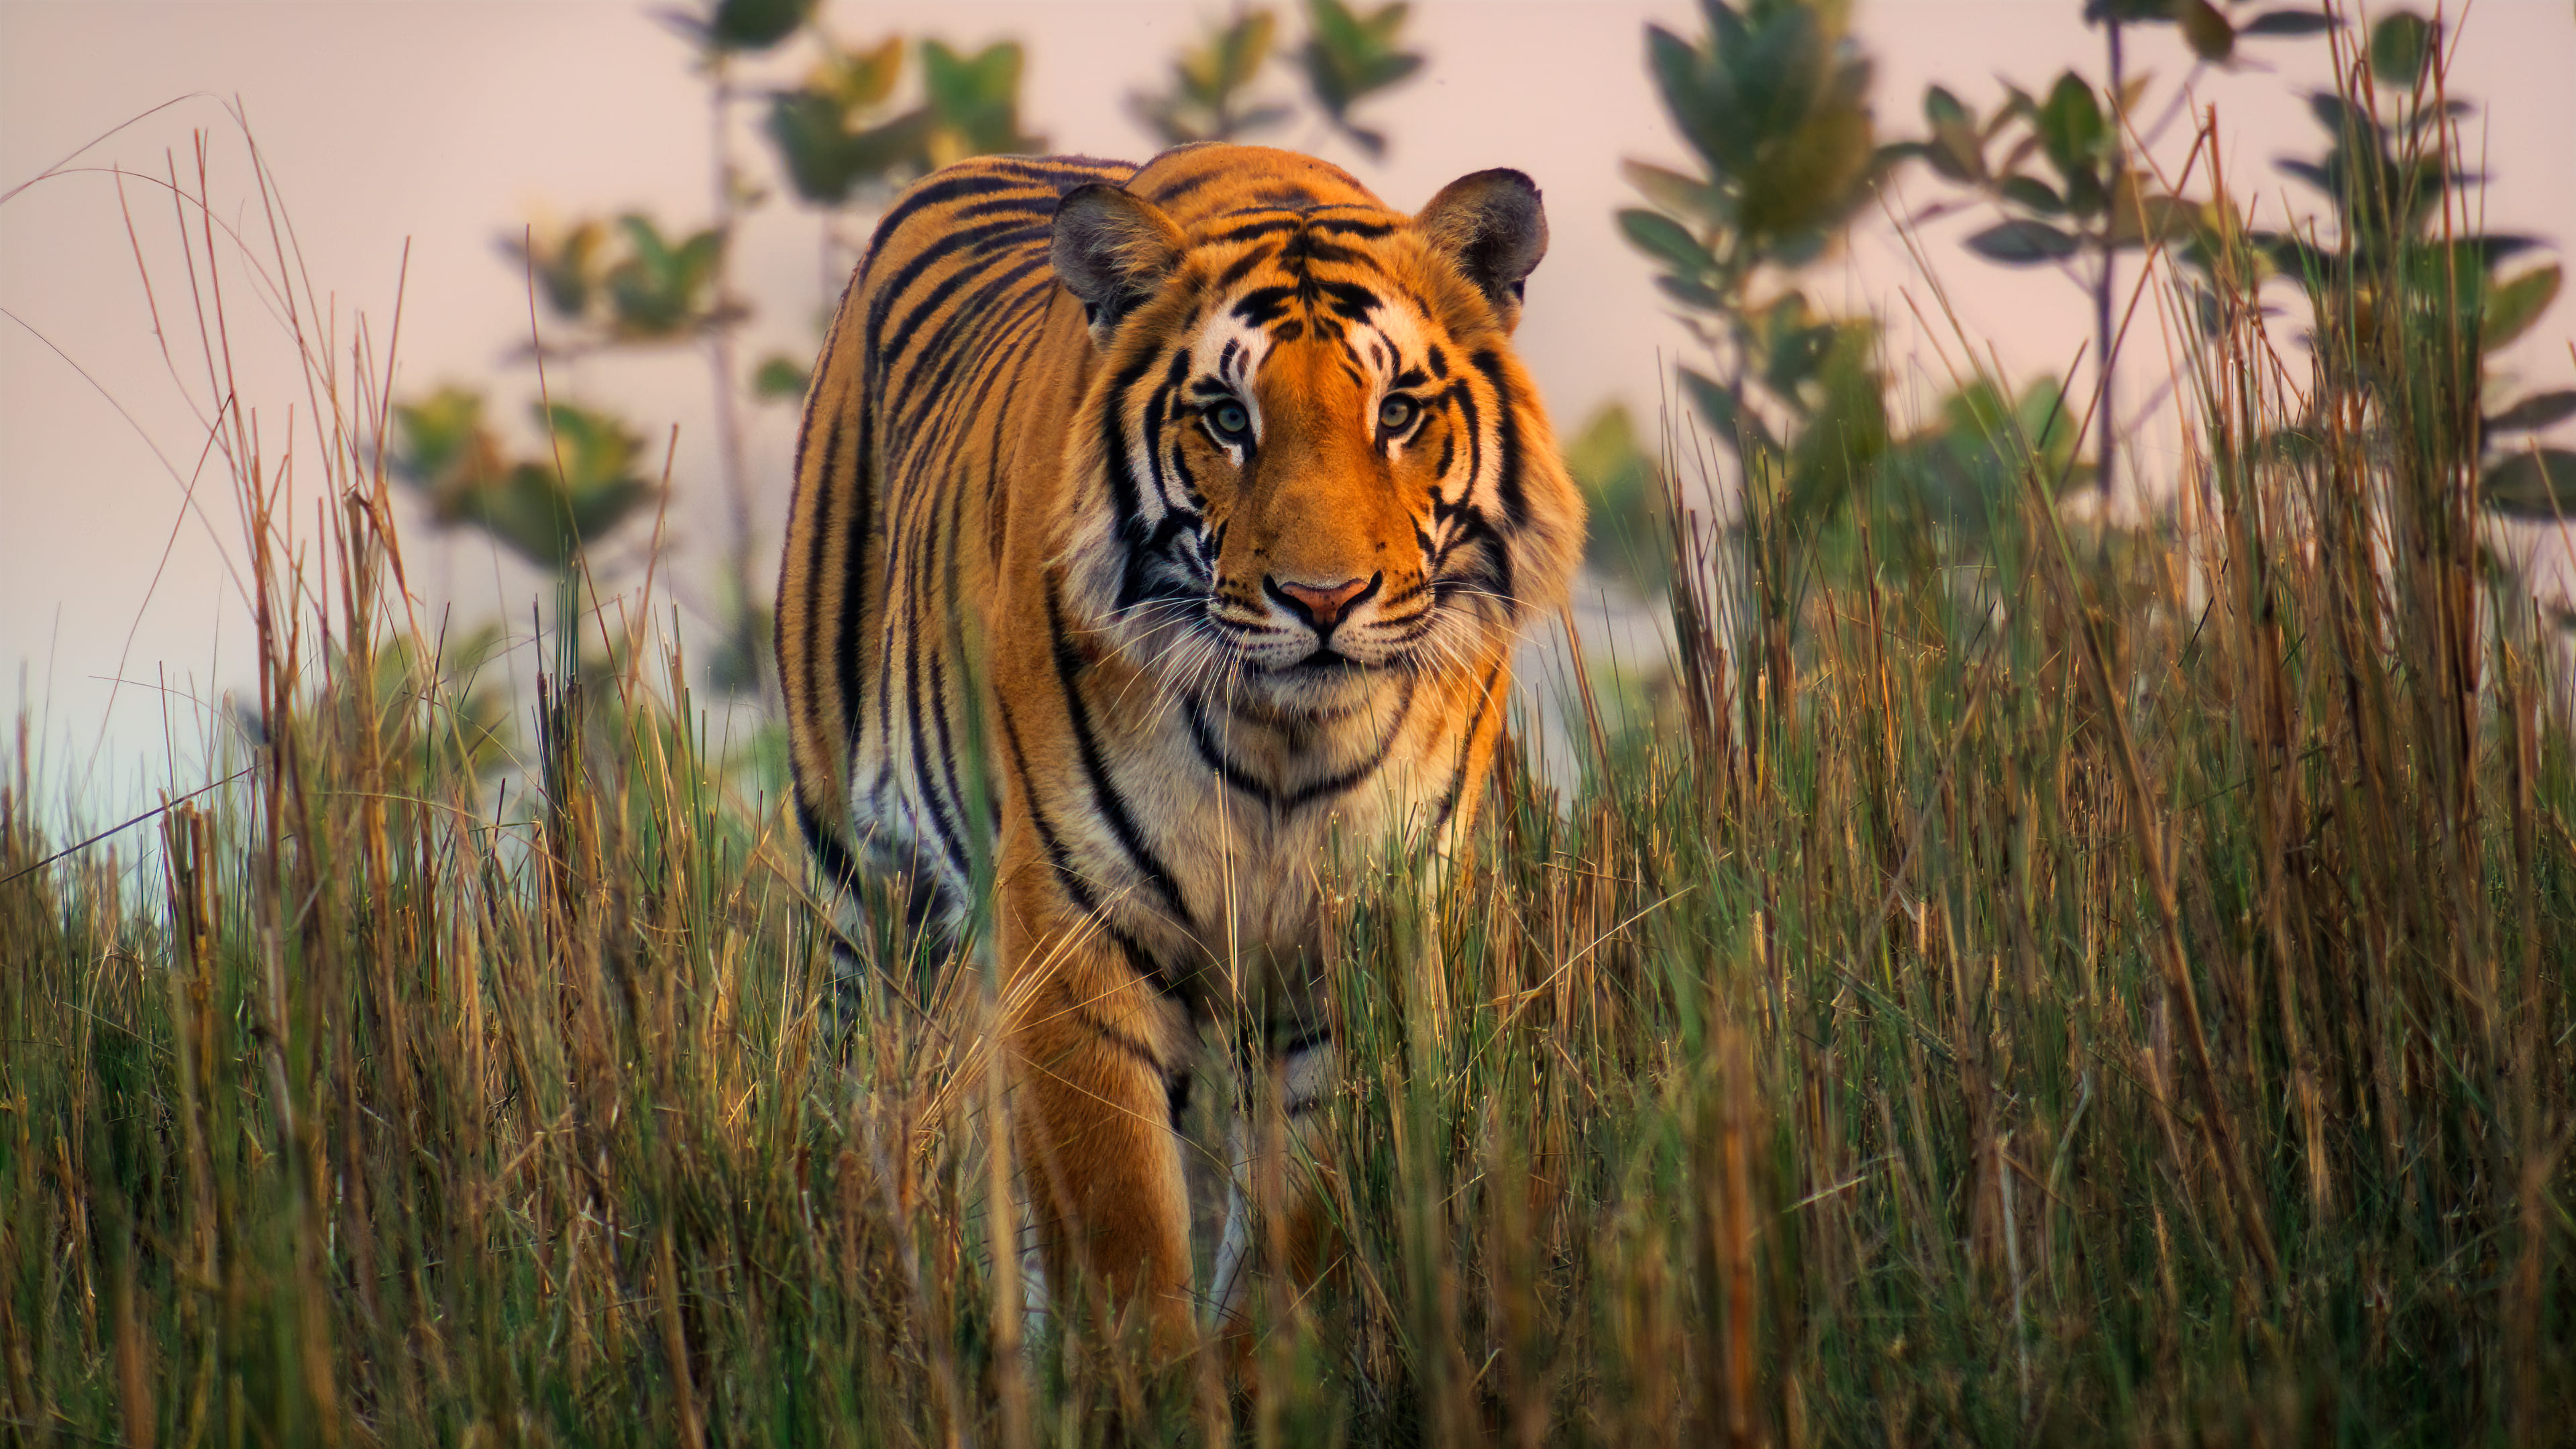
[[1197, 508]]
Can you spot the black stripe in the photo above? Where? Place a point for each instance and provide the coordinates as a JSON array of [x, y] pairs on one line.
[[1350, 779], [1465, 398], [993, 519], [1466, 747], [1113, 445], [1246, 231], [1263, 305], [1039, 208], [829, 851], [1217, 759], [952, 842], [1100, 1026], [873, 389], [1496, 573], [894, 342], [928, 445], [947, 816], [952, 643], [982, 312], [817, 548], [1104, 791], [1139, 960], [1155, 403], [1507, 422], [1350, 299], [1169, 192], [1304, 1039], [1242, 267], [932, 193], [1180, 466]]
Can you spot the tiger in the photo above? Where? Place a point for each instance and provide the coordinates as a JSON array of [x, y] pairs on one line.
[[1154, 528]]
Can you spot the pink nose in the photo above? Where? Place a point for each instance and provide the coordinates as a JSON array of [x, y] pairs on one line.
[[1323, 603]]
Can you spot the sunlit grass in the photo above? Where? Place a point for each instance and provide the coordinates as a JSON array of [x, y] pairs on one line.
[[2112, 987]]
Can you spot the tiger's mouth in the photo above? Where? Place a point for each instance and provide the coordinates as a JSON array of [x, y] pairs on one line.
[[1328, 660]]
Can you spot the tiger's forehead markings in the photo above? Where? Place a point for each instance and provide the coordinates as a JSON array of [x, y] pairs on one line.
[[1225, 358], [1321, 279]]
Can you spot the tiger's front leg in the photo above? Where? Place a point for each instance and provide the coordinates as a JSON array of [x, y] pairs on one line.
[[1095, 1052], [1278, 1225]]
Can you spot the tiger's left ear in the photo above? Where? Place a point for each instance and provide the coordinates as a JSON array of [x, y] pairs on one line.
[[1492, 226], [1113, 248]]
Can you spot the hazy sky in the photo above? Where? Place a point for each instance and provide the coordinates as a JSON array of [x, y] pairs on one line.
[[445, 123]]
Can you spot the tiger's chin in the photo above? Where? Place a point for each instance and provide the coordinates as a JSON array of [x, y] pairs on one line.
[[1322, 685]]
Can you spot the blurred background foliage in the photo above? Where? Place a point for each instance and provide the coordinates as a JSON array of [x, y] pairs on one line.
[[541, 508], [1773, 105], [1773, 101]]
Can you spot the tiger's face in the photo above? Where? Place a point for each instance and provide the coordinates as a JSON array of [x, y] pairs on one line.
[[1311, 457]]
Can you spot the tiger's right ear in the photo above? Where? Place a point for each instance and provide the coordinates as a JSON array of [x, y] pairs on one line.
[[1113, 248]]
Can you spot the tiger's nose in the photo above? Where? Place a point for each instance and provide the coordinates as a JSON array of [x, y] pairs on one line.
[[1321, 605]]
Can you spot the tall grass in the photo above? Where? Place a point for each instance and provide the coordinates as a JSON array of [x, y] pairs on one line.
[[2119, 991]]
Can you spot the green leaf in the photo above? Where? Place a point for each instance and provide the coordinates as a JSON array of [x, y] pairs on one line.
[[2139, 216], [2539, 483], [754, 24], [859, 80], [2309, 172], [2023, 243], [545, 508], [2071, 127], [1957, 149], [1692, 292], [1349, 56], [566, 264], [439, 445], [2401, 49], [2300, 260], [1207, 100], [659, 290], [974, 102], [2340, 117], [780, 379], [806, 127], [1623, 496], [1846, 431], [1666, 240], [2513, 306], [1813, 177], [1715, 405], [1674, 191], [2535, 412], [1699, 99], [2209, 33], [2288, 23], [2032, 194]]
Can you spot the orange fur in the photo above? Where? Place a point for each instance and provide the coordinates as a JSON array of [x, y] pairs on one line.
[[1097, 462]]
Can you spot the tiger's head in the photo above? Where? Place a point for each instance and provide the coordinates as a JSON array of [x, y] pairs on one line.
[[1309, 457]]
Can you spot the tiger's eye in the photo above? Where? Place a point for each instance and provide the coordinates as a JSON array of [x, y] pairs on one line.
[[1231, 420], [1397, 413]]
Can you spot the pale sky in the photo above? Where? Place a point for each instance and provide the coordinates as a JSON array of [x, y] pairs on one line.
[[444, 123]]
